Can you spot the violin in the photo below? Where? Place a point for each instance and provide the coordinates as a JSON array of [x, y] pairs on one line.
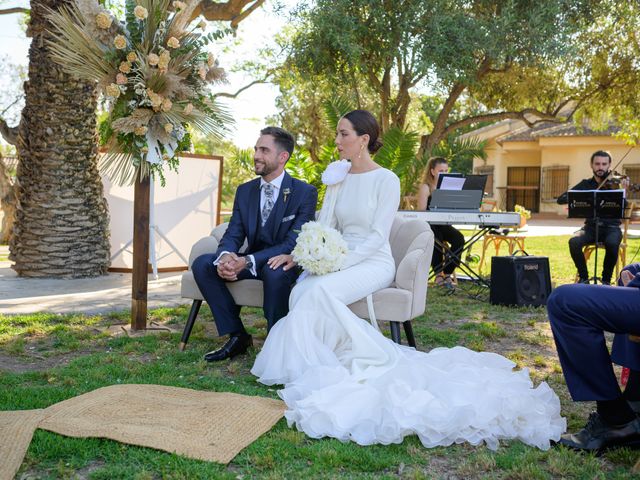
[[614, 181]]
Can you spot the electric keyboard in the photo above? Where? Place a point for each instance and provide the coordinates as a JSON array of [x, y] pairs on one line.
[[482, 219]]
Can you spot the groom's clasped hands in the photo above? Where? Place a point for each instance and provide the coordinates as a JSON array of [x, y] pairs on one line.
[[231, 264]]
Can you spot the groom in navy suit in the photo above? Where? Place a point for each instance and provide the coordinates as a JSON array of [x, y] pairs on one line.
[[579, 316], [268, 212]]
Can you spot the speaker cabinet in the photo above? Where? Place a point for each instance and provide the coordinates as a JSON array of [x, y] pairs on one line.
[[520, 280]]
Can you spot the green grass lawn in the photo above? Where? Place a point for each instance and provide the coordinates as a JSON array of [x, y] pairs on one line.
[[45, 358]]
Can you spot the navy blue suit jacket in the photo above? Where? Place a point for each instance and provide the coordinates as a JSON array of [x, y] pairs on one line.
[[288, 218]]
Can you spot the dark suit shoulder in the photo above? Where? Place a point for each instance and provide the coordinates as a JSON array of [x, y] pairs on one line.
[[251, 183]]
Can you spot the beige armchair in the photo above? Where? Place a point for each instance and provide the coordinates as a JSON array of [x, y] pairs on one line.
[[411, 245]]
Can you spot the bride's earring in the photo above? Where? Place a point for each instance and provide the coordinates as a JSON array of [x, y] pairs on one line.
[[360, 152]]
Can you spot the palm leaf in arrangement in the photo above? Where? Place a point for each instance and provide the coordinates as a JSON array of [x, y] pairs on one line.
[[76, 50], [154, 73]]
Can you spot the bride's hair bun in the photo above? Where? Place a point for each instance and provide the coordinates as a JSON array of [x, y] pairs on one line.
[[365, 123], [377, 145]]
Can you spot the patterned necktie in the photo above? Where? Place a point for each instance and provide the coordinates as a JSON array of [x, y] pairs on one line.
[[268, 202]]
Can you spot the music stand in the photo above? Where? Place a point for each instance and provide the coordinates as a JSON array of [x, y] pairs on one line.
[[596, 205]]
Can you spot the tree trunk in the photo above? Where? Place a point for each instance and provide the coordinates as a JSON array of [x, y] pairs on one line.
[[8, 200], [62, 224]]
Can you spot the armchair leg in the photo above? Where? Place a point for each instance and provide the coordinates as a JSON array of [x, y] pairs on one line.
[[408, 330], [395, 331], [195, 308]]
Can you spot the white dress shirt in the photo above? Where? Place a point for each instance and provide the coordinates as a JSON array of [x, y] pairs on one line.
[[276, 183]]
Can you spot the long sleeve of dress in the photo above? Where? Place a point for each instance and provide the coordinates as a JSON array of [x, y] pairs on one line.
[[388, 200]]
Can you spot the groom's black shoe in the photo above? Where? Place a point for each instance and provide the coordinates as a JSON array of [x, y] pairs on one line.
[[597, 435], [236, 345]]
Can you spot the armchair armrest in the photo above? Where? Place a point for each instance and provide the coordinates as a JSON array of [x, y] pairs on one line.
[[413, 271], [204, 245]]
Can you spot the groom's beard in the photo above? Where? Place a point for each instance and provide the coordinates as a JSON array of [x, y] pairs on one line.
[[263, 169]]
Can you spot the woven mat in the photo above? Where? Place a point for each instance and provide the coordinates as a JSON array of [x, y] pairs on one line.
[[202, 425], [16, 430]]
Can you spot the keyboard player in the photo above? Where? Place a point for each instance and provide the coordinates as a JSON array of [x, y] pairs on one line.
[[443, 263]]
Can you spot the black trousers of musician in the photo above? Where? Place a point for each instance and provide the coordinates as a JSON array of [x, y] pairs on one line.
[[611, 236], [579, 316], [450, 259]]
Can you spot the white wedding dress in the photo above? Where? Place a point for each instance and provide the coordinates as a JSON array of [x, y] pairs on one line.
[[344, 379]]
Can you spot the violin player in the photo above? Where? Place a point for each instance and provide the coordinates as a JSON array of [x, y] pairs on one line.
[[609, 232]]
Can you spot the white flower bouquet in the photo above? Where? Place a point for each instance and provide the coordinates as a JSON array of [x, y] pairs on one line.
[[319, 249], [154, 72]]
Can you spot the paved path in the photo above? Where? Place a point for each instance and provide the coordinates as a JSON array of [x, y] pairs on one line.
[[107, 293], [112, 292]]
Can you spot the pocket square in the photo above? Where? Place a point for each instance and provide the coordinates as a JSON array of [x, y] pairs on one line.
[[289, 218]]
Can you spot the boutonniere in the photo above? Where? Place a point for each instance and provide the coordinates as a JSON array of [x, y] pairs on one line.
[[285, 194]]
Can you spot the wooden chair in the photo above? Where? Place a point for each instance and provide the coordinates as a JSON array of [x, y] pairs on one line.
[[587, 250], [513, 243], [405, 299]]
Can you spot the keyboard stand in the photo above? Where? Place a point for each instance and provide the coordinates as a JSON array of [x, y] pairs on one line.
[[464, 265]]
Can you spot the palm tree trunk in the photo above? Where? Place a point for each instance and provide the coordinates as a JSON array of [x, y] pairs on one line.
[[8, 200], [62, 223]]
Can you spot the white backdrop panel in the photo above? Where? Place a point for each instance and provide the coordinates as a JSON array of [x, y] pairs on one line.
[[183, 211]]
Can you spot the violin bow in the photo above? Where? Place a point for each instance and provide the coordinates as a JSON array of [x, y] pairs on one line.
[[614, 167]]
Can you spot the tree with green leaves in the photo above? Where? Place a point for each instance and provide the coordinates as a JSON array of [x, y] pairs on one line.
[[556, 61]]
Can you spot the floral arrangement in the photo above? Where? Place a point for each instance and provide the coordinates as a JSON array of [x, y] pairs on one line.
[[154, 72], [522, 211], [319, 249]]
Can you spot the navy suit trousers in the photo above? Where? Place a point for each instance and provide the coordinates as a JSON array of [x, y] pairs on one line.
[[579, 316], [277, 285]]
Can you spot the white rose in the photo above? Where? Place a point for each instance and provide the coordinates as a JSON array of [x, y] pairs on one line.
[[140, 12], [103, 20]]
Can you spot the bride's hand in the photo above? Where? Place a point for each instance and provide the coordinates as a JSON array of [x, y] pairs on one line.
[[282, 259]]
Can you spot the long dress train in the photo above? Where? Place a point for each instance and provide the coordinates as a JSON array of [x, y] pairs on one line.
[[344, 379]]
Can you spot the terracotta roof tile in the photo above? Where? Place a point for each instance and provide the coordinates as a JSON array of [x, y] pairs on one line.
[[551, 129]]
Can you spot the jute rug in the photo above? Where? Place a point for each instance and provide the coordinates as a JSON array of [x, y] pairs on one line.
[[16, 430], [203, 425]]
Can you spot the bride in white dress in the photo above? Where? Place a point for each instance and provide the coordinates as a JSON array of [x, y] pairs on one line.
[[344, 379]]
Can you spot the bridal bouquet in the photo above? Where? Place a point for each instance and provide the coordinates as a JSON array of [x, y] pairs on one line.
[[154, 71], [319, 249]]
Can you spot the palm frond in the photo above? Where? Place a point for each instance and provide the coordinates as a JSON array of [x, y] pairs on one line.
[[335, 108], [457, 148], [398, 151], [118, 167], [244, 158], [213, 122], [74, 49], [398, 154], [302, 167], [328, 153]]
